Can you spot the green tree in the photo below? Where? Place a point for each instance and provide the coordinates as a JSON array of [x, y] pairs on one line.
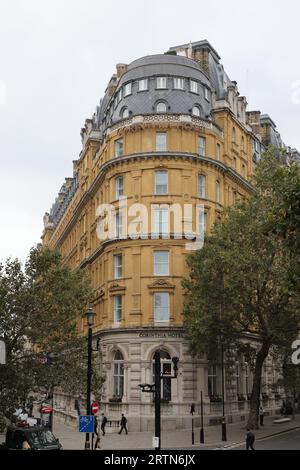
[[39, 308], [244, 284]]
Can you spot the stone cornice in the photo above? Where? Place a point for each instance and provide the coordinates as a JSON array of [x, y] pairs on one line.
[[139, 157], [185, 120]]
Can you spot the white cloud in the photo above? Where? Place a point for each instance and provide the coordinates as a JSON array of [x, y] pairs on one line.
[[56, 60]]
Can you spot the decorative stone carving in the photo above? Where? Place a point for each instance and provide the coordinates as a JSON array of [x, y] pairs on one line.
[[161, 284], [116, 288]]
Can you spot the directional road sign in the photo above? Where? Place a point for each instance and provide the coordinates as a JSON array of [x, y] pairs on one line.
[[86, 423]]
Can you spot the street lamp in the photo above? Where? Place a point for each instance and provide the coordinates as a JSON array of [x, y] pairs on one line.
[[156, 390], [89, 315], [224, 431]]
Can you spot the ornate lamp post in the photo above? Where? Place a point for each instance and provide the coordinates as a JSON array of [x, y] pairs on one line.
[[156, 390], [89, 315]]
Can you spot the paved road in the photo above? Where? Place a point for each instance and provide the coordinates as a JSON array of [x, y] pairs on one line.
[[287, 441]]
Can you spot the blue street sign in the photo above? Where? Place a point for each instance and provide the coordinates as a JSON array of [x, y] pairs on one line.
[[86, 423]]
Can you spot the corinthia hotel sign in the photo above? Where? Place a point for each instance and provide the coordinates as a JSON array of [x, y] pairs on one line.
[[160, 334]]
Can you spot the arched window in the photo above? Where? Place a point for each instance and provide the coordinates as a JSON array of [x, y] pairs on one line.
[[118, 371], [165, 369], [196, 111], [161, 107], [125, 113]]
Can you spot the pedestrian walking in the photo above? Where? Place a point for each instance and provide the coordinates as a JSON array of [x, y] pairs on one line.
[[261, 415], [123, 424], [103, 423], [250, 439], [98, 444], [96, 424]]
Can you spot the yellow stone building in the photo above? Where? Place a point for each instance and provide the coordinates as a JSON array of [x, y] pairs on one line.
[[172, 132]]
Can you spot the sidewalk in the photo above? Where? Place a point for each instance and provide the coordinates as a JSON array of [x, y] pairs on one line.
[[72, 439]]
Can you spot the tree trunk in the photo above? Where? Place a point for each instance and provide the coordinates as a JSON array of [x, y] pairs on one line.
[[255, 397]]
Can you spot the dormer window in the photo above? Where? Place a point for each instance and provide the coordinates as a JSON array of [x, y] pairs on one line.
[[125, 113], [143, 84], [161, 82], [196, 111], [161, 107], [128, 89], [194, 87], [206, 93], [179, 83]]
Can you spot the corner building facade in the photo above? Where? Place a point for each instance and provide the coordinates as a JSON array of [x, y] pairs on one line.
[[171, 129]]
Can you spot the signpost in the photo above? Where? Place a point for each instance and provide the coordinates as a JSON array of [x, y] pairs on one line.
[[46, 416], [95, 408], [86, 424]]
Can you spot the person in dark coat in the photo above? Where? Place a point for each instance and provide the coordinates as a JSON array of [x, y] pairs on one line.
[[123, 424], [103, 423], [96, 426], [261, 415], [250, 439]]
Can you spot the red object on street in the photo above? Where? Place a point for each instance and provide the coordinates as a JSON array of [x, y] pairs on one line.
[[46, 409], [95, 408]]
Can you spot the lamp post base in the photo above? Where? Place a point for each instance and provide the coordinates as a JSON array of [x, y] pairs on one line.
[[87, 445], [224, 431]]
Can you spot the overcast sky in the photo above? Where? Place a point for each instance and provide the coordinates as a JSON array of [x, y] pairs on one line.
[[56, 57]]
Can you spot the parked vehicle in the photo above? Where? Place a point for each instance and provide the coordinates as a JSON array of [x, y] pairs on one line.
[[31, 438]]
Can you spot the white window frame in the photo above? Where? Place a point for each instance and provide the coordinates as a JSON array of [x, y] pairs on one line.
[[198, 111], [125, 113], [118, 309], [128, 89], [118, 266], [119, 186], [161, 189], [161, 268], [194, 87], [202, 223], [178, 83], [202, 186], [161, 221], [161, 146], [119, 148], [118, 377], [201, 146], [118, 225], [143, 84], [206, 94], [161, 83], [161, 314], [160, 103]]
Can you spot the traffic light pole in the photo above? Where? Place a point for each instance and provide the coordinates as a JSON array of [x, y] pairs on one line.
[[155, 389]]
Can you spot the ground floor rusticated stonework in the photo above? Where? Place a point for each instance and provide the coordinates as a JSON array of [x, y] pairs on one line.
[[126, 361]]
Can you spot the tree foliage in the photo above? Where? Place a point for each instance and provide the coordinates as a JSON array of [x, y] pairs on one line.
[[39, 305], [244, 283]]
